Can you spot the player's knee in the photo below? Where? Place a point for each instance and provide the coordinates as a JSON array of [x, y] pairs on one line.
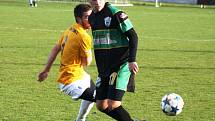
[[101, 105], [113, 104]]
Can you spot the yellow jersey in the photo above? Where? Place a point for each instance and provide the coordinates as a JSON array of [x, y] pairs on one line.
[[75, 44]]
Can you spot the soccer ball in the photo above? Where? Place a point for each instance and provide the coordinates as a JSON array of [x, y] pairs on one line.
[[172, 104]]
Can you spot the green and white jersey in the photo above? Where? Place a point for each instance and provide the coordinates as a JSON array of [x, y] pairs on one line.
[[110, 43]]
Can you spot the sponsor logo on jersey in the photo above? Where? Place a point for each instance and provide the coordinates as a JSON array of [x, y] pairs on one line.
[[104, 40]]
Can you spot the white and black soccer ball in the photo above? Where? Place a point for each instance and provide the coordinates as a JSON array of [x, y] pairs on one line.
[[172, 104]]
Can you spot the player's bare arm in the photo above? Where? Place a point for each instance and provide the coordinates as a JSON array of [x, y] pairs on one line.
[[44, 74]]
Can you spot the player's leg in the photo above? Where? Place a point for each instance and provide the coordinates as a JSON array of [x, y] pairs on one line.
[[115, 109], [87, 103], [117, 87], [84, 110], [75, 90], [106, 90], [102, 85], [101, 93], [88, 96], [89, 93]]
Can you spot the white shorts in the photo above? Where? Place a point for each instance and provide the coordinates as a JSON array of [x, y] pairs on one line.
[[76, 88]]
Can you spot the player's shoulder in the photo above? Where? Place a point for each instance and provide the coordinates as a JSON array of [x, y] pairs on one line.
[[117, 12], [66, 32], [112, 8], [84, 36]]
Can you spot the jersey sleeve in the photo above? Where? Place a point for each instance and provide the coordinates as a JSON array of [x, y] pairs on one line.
[[85, 46], [124, 22], [60, 40]]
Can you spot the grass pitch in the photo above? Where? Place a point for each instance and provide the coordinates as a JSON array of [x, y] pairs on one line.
[[176, 53]]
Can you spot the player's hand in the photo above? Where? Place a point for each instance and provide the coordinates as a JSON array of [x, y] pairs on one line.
[[42, 76], [133, 67]]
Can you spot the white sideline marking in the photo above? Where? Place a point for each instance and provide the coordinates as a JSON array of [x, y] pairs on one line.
[[45, 30], [21, 28], [48, 30], [60, 1], [196, 40]]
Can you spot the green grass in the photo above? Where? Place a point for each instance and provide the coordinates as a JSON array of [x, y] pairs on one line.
[[176, 53]]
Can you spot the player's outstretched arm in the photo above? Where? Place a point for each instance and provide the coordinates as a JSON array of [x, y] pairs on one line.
[[44, 74]]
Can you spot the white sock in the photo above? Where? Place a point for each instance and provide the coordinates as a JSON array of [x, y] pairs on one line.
[[84, 110]]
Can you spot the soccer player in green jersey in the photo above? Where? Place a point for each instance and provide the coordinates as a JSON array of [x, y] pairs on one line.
[[115, 45]]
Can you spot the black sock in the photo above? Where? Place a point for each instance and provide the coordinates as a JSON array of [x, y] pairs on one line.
[[88, 94], [119, 113]]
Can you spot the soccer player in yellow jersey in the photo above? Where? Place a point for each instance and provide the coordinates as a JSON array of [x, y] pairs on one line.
[[75, 48]]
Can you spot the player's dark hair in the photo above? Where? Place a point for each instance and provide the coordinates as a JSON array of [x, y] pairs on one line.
[[80, 9]]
